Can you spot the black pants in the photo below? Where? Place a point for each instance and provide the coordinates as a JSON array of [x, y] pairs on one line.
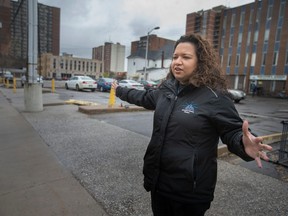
[[163, 206]]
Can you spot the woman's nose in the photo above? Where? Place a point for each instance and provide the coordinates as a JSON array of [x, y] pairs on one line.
[[177, 60]]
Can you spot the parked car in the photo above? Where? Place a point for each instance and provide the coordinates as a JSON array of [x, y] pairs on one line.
[[237, 95], [131, 84], [149, 84], [8, 76], [80, 83], [104, 84]]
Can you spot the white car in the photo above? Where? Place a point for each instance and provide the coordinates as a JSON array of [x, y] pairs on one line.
[[131, 84], [236, 95], [80, 83]]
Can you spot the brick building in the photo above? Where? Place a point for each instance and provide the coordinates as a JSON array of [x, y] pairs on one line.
[[159, 56], [112, 56], [252, 43], [14, 31]]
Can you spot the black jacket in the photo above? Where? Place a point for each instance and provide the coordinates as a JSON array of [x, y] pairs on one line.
[[181, 159]]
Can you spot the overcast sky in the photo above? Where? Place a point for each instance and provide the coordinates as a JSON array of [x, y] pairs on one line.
[[86, 24]]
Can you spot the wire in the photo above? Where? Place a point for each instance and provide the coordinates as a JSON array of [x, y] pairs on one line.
[[17, 11]]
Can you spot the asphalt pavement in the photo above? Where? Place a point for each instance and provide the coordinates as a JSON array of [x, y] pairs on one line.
[[63, 162]]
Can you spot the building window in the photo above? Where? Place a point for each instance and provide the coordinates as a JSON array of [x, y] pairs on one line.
[[222, 42], [240, 39], [266, 36], [242, 18], [264, 59], [251, 16], [233, 21], [229, 60], [253, 59], [282, 8], [54, 63], [269, 13], [278, 34], [275, 58], [256, 36], [258, 15], [248, 38], [237, 59], [246, 59], [231, 41], [224, 22]]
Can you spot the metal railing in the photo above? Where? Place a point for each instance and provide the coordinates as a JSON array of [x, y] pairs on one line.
[[283, 151], [280, 156]]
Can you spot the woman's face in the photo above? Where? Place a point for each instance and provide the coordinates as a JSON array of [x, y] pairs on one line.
[[184, 62]]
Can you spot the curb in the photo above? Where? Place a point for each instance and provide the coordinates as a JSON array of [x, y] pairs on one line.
[[90, 110], [267, 139]]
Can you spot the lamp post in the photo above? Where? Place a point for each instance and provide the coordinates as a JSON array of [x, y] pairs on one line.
[[146, 54]]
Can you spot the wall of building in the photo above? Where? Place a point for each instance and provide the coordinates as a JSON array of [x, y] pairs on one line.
[[14, 31], [252, 44], [63, 67], [113, 56]]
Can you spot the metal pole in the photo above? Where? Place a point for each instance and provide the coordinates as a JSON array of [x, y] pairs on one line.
[[32, 41], [32, 89], [146, 53]]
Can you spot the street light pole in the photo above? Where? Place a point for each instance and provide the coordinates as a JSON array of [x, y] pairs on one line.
[[146, 54]]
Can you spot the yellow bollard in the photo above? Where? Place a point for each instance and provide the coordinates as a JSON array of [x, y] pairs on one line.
[[111, 102], [53, 85], [7, 83], [14, 84]]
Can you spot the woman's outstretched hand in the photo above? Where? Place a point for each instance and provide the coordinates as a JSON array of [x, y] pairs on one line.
[[253, 145], [114, 84]]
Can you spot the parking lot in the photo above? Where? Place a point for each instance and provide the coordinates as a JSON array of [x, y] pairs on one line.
[[106, 156]]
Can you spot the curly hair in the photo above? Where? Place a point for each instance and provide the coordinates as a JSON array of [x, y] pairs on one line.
[[208, 71]]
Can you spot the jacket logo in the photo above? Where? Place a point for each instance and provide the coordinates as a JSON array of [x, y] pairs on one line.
[[190, 108]]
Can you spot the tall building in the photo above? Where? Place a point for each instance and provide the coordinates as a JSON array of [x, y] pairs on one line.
[[112, 55], [159, 57], [253, 45], [206, 23], [14, 31]]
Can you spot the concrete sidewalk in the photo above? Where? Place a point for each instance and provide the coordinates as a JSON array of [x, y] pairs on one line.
[[32, 180]]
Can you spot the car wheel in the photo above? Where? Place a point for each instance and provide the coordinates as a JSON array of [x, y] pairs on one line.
[[101, 89], [237, 101], [77, 87], [66, 86]]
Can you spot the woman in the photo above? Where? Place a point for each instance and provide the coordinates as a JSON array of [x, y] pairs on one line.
[[192, 111]]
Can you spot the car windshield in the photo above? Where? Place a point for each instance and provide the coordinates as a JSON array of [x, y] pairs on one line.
[[86, 78]]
